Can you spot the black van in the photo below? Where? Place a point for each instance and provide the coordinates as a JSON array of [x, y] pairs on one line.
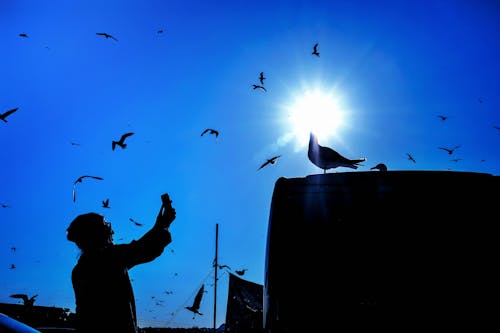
[[394, 250]]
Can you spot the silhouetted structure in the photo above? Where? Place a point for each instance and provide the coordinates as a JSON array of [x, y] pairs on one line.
[[383, 251], [244, 306], [39, 316]]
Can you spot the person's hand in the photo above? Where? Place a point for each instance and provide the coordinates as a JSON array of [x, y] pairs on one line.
[[165, 217]]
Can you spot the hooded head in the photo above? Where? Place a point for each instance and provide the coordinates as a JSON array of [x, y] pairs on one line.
[[90, 231]]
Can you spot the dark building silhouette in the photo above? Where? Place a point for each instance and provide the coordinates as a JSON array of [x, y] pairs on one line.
[[38, 316]]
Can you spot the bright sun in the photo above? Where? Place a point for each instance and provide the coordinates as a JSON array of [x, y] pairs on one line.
[[315, 111]]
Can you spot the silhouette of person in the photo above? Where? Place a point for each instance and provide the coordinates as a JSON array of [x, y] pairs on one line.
[[103, 293]]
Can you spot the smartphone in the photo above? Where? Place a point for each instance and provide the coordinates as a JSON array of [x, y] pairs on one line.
[[165, 200]]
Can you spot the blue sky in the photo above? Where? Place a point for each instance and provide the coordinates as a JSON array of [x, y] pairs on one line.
[[390, 68]]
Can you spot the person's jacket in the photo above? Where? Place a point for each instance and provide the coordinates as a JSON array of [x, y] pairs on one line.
[[103, 293]]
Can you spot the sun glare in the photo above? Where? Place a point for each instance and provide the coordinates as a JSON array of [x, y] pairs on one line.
[[315, 111]]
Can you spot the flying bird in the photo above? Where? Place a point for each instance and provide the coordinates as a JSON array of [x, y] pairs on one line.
[[456, 160], [496, 127], [241, 272], [197, 300], [449, 150], [106, 35], [327, 158], [26, 301], [79, 180], [105, 203], [160, 31], [410, 157], [23, 35], [4, 205], [256, 86], [261, 78], [210, 131], [135, 222], [443, 118], [271, 160], [121, 142], [4, 115], [380, 167], [315, 50]]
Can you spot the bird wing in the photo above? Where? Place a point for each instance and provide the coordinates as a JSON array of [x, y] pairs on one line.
[[95, 177], [24, 297], [445, 149], [7, 113], [197, 299], [124, 136], [205, 131], [264, 164]]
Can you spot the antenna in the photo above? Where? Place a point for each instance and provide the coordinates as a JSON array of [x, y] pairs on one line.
[[215, 275]]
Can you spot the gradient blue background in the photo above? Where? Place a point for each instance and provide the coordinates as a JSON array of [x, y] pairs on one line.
[[396, 66]]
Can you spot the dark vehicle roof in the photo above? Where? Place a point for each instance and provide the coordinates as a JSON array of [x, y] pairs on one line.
[[10, 325]]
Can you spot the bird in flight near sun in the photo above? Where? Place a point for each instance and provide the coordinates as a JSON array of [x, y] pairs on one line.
[[106, 35], [121, 142], [449, 150], [197, 301], [105, 203], [135, 222], [315, 50], [269, 161], [3, 116], [79, 180], [210, 131], [327, 158], [256, 86], [262, 78]]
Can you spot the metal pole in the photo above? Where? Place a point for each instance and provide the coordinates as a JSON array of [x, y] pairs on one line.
[[216, 266]]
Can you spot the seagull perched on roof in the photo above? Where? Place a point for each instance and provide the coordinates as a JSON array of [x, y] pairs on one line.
[[380, 167], [28, 301], [4, 115], [79, 180], [121, 142], [197, 301], [327, 158]]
